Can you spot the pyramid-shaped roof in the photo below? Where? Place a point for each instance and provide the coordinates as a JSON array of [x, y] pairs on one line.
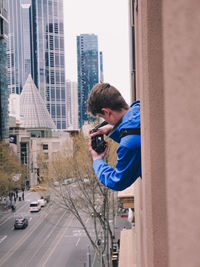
[[33, 111]]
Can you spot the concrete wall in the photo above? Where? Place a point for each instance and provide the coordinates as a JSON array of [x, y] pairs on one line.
[[168, 84]]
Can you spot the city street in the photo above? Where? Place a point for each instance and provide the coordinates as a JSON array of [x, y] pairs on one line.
[[52, 238]]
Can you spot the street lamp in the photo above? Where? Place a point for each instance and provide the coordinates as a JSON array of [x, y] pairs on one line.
[[89, 257]]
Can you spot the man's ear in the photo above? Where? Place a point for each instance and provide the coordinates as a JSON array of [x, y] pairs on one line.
[[106, 110]]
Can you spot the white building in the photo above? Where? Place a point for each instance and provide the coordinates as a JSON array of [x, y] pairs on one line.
[[35, 134]]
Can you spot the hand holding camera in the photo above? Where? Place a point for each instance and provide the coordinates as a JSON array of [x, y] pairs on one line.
[[97, 141]]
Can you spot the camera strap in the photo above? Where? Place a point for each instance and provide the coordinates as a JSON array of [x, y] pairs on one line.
[[113, 129], [123, 132]]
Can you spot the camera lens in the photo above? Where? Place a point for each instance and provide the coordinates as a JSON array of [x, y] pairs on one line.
[[98, 143]]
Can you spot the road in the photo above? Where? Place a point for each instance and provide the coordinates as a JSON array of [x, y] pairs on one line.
[[53, 238]]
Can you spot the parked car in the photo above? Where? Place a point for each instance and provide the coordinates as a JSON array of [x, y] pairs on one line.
[[56, 183], [68, 181], [34, 206], [20, 223], [38, 188], [42, 202]]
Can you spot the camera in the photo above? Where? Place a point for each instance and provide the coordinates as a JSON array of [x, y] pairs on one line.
[[98, 142]]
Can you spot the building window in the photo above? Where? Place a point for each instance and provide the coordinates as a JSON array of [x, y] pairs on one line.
[[52, 77], [56, 43], [51, 27], [53, 111], [24, 153], [46, 156], [62, 61], [57, 93], [53, 94], [56, 27], [61, 43], [45, 146], [61, 27], [51, 42], [52, 59]]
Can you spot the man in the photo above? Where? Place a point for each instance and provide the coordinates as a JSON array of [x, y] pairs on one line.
[[106, 102]]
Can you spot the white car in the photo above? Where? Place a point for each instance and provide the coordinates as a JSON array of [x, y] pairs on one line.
[[42, 202], [34, 206]]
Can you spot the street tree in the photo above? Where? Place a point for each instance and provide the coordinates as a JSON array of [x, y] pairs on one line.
[[11, 171], [80, 193]]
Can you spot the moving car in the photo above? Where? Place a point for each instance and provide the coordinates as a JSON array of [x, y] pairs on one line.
[[38, 188], [34, 206], [42, 202], [20, 223]]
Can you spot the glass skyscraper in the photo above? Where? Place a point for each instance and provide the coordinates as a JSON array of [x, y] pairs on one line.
[[3, 71], [26, 40], [49, 58], [14, 53], [88, 71], [72, 104], [36, 47], [101, 66]]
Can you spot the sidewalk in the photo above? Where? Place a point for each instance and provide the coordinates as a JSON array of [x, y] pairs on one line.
[[6, 213], [120, 224]]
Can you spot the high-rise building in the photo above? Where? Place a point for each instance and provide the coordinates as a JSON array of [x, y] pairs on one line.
[[19, 44], [49, 58], [88, 71], [72, 104], [101, 66], [36, 47], [26, 41], [3, 71]]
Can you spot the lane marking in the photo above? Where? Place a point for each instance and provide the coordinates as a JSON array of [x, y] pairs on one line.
[[77, 241], [45, 240], [56, 244], [3, 238], [22, 239]]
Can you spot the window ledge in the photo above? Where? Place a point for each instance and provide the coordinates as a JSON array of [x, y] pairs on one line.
[[127, 256]]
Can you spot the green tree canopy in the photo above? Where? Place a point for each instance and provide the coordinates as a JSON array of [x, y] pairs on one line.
[[10, 169]]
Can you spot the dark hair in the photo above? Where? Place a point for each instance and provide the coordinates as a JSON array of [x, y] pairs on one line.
[[104, 95]]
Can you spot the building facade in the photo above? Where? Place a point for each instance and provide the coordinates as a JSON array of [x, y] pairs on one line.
[[101, 66], [88, 71], [49, 57], [19, 44], [165, 40], [72, 104], [3, 71], [38, 145], [36, 47]]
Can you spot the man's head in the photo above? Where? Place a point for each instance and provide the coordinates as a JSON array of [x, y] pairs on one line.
[[104, 95]]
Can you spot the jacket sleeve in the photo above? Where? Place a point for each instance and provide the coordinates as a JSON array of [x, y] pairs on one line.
[[127, 170]]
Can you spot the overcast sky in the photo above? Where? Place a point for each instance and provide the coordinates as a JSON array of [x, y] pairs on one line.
[[108, 19]]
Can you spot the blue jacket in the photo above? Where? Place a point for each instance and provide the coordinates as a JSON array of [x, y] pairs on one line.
[[128, 166]]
